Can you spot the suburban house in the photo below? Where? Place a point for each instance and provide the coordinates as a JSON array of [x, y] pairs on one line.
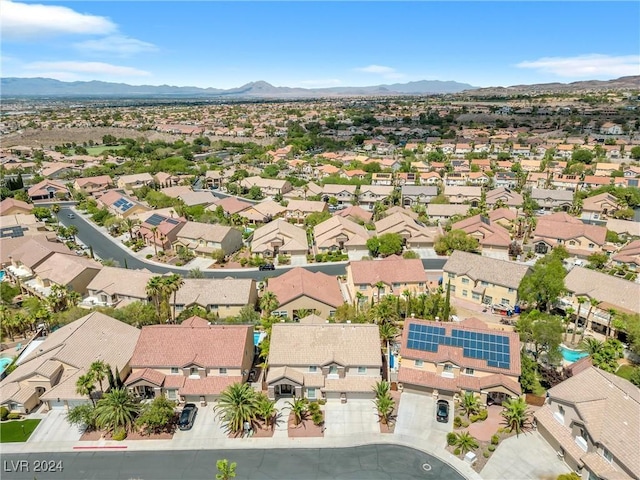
[[341, 234], [108, 289], [268, 186], [414, 233], [447, 359], [505, 180], [21, 225], [300, 292], [561, 228], [628, 255], [343, 193], [407, 178], [11, 206], [71, 271], [160, 231], [223, 296], [355, 213], [332, 361], [262, 212], [382, 178], [297, 210], [204, 238], [597, 208], [614, 296], [132, 182], [93, 185], [47, 190], [279, 237], [466, 195], [120, 205], [50, 365], [493, 238], [191, 362], [369, 280], [483, 280], [192, 199], [230, 205], [371, 194], [216, 178], [442, 213], [592, 420], [26, 255], [418, 194], [503, 197], [552, 199]]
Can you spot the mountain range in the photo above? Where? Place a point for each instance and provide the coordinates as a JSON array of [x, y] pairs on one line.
[[47, 87]]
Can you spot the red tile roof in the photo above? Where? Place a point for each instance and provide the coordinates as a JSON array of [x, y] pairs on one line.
[[299, 281], [389, 271], [462, 382]]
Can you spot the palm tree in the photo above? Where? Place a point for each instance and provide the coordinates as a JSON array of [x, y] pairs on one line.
[[469, 404], [568, 312], [237, 404], [612, 314], [56, 209], [407, 295], [226, 470], [465, 442], [195, 273], [359, 297], [173, 283], [268, 303], [388, 331], [381, 389], [129, 224], [593, 302], [116, 409], [380, 287], [299, 408], [85, 385], [581, 300], [72, 230], [98, 370], [266, 409], [154, 230], [155, 290], [517, 417], [591, 345], [385, 406]]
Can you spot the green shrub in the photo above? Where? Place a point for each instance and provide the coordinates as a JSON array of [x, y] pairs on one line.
[[484, 414], [119, 435], [243, 262], [495, 440], [465, 424], [314, 407], [451, 438], [485, 454], [474, 418], [457, 451], [322, 401], [457, 422], [492, 448], [4, 413], [148, 256], [317, 418], [13, 416]]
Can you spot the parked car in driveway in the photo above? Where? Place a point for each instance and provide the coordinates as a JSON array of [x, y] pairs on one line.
[[442, 411], [187, 416], [267, 266]]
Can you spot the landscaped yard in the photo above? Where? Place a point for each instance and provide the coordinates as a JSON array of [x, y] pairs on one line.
[[625, 371], [95, 151], [12, 431]]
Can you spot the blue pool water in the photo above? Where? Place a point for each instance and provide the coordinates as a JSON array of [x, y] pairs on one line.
[[572, 355], [1, 275], [4, 363]]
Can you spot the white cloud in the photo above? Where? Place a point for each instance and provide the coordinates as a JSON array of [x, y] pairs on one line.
[[386, 72], [593, 65], [77, 70], [321, 83], [23, 21], [115, 44]]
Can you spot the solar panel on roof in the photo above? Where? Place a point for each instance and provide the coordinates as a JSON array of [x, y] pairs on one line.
[[12, 232], [155, 219], [173, 221]]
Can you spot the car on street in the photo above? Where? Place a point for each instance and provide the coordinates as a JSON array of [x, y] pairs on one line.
[[187, 416], [442, 411], [267, 266], [71, 215]]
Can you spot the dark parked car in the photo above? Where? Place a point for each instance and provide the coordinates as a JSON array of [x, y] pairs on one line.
[[187, 416], [442, 411], [267, 266]]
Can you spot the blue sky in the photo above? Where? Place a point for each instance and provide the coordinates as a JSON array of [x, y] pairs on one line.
[[319, 44]]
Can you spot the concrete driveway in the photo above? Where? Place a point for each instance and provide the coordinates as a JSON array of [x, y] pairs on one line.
[[205, 429], [55, 428], [527, 457], [417, 418], [353, 417]]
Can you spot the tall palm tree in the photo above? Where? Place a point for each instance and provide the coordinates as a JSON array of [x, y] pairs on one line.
[[591, 345], [173, 283], [154, 230], [237, 404], [407, 295], [388, 331], [469, 404], [581, 301], [116, 409], [465, 442], [593, 302], [385, 406], [268, 303], [568, 312], [85, 385], [72, 231], [380, 287], [155, 291], [129, 224], [98, 371], [299, 408], [612, 314], [517, 416]]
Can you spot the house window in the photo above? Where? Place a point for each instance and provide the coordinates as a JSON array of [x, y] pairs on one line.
[[174, 370], [419, 363], [362, 370], [448, 368], [193, 371], [395, 285], [591, 245], [421, 284], [362, 287], [223, 371], [484, 284], [572, 242], [465, 293], [512, 290], [487, 300], [333, 370], [607, 455], [465, 280], [313, 369], [452, 288], [452, 275], [171, 394], [332, 313], [504, 301], [469, 371], [311, 393]]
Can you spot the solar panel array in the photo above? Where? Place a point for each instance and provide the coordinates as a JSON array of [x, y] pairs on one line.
[[483, 346], [123, 204], [15, 231], [155, 219]]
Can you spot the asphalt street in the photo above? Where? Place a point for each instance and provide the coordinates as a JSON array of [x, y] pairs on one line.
[[105, 248], [369, 462]]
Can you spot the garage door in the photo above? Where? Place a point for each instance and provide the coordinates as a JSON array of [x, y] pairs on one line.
[[360, 396], [56, 405], [192, 399], [75, 403]]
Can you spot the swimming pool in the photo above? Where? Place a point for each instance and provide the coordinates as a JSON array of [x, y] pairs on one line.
[[572, 355], [1, 275], [4, 363]]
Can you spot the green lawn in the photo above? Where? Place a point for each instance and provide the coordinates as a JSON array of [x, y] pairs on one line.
[[95, 151], [11, 431], [625, 371]]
